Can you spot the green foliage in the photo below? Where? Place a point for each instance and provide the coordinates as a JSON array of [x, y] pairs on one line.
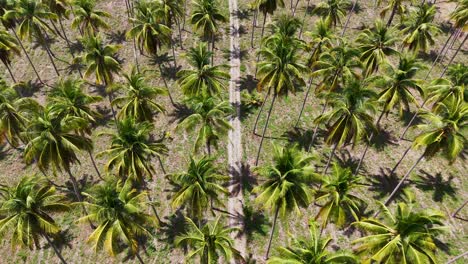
[[419, 28], [332, 11], [206, 17], [8, 47], [87, 19]]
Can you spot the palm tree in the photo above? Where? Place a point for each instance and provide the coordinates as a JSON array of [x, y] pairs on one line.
[[27, 211], [67, 98], [397, 85], [206, 17], [8, 48], [350, 118], [419, 28], [99, 60], [87, 19], [376, 45], [267, 7], [279, 72], [173, 12], [53, 143], [149, 28], [12, 120], [340, 203], [443, 133], [139, 98], [60, 9], [203, 79], [287, 184], [332, 11], [312, 250], [198, 188], [209, 242], [444, 89], [31, 15], [321, 40], [131, 150], [210, 118], [396, 7], [404, 237], [120, 212]]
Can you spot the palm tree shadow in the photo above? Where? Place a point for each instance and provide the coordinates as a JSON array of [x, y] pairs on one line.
[[28, 88], [169, 71], [76, 46], [4, 150], [255, 222], [61, 240], [84, 183], [242, 13], [160, 59], [300, 137], [382, 139], [48, 41], [180, 112], [436, 183], [242, 180], [117, 37], [382, 184], [406, 118], [237, 53], [346, 160], [174, 226], [106, 116], [248, 83]]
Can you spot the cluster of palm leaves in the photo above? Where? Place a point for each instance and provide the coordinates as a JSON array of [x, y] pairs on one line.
[[356, 80]]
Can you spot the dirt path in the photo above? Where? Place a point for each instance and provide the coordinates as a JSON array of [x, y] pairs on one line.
[[236, 199]]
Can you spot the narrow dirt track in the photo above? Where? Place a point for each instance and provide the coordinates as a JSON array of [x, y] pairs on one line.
[[236, 199]]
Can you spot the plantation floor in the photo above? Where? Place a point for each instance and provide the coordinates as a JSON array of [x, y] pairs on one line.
[[436, 183]]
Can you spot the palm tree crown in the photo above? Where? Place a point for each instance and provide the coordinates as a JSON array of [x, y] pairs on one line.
[[87, 19], [420, 29]]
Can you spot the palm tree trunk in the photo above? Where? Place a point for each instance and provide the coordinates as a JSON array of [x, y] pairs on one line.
[[57, 252], [330, 158], [49, 53], [450, 45], [459, 209], [161, 165], [275, 219], [397, 188], [438, 55], [295, 8], [458, 257], [94, 165], [314, 135], [56, 30], [173, 53], [303, 19], [349, 18], [139, 258], [265, 128], [208, 149], [27, 56], [165, 84], [254, 22], [254, 131], [309, 85], [263, 26], [441, 75], [212, 48], [180, 33], [368, 144], [454, 55], [153, 208], [9, 71], [399, 161], [392, 15]]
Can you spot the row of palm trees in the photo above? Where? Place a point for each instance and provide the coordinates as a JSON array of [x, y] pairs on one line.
[[57, 132]]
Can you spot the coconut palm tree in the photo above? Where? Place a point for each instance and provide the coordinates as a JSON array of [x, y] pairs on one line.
[[376, 45], [27, 211], [396, 7], [210, 119], [149, 27], [52, 142], [12, 120], [443, 133], [203, 79], [139, 98], [68, 98], [444, 89], [340, 204], [120, 213], [206, 17], [31, 16], [173, 12], [279, 72], [198, 188], [99, 60], [311, 250], [209, 242], [397, 86], [287, 184], [131, 150], [321, 40], [405, 236], [332, 11], [350, 118], [8, 49], [87, 19], [267, 7], [419, 29], [60, 9]]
